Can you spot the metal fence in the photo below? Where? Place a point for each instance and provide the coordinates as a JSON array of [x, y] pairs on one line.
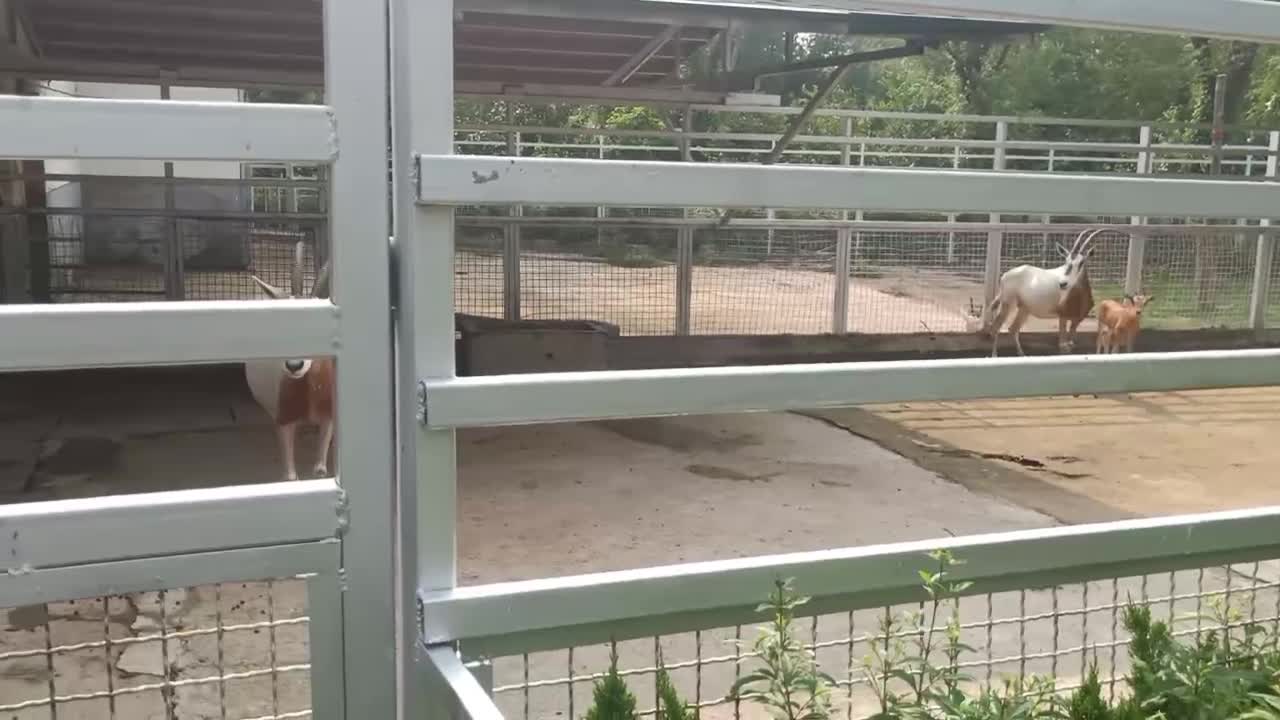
[[784, 276], [244, 601], [117, 238], [1057, 632], [779, 273]]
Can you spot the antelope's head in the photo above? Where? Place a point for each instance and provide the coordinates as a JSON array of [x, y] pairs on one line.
[[1072, 268], [1138, 302], [296, 368]]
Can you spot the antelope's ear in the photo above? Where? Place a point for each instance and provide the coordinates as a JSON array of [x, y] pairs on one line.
[[1066, 254], [269, 289]]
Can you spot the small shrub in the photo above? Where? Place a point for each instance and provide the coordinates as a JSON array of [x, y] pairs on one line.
[[611, 698], [670, 705], [789, 685]]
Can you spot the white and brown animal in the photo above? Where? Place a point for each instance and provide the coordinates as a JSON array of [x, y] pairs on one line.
[[298, 390], [1119, 322], [1028, 291]]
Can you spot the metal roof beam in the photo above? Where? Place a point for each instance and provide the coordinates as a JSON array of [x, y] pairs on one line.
[[633, 64], [1252, 20]]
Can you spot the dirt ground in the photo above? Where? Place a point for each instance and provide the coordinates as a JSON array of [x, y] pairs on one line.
[[539, 501]]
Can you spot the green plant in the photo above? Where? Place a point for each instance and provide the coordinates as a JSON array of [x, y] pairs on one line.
[[1218, 675], [611, 698], [670, 705], [789, 684]]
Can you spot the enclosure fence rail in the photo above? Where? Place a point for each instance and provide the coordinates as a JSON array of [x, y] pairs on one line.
[[331, 533]]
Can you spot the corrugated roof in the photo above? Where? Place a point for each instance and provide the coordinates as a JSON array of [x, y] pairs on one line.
[[499, 43]]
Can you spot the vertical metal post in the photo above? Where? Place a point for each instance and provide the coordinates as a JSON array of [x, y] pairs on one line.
[[995, 238], [684, 278], [1138, 243], [171, 253], [684, 244], [422, 122], [602, 212], [35, 196], [840, 302], [844, 239], [951, 235], [769, 214], [1266, 251], [511, 241], [324, 608], [355, 86]]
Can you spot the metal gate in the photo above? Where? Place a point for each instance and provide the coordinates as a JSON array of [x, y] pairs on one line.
[[463, 628], [331, 537]]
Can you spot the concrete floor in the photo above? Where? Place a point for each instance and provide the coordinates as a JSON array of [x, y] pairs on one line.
[[540, 501]]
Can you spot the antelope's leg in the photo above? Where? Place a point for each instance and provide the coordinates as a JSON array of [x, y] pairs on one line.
[[287, 434], [1016, 328], [323, 442], [1100, 340], [999, 317], [1071, 334], [1063, 345]]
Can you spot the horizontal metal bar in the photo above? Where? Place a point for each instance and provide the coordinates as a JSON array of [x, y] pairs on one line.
[[495, 400], [123, 527], [899, 226], [42, 128], [86, 335], [1253, 20], [446, 668], [180, 213], [254, 182], [841, 140], [508, 618], [468, 179], [161, 573], [1045, 120]]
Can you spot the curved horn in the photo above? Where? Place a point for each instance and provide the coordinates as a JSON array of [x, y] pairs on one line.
[[1088, 241], [295, 276], [321, 287], [269, 289], [1076, 245]]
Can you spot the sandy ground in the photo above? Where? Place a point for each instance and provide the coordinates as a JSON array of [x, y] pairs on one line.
[[541, 501]]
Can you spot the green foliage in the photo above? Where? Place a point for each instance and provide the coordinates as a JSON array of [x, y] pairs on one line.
[[670, 705], [611, 698], [788, 685]]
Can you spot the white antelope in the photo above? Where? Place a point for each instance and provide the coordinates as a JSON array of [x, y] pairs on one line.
[[296, 390], [1036, 292]]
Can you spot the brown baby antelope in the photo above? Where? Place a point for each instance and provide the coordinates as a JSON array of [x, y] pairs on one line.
[[1119, 322]]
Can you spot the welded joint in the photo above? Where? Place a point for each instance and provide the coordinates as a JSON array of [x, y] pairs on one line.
[[333, 132], [342, 512]]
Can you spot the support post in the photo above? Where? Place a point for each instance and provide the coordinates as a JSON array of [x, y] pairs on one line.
[[1266, 251], [171, 254], [374, 624], [952, 218], [840, 301], [995, 238], [1137, 242], [511, 242], [422, 122], [844, 239], [684, 242], [35, 195], [684, 277]]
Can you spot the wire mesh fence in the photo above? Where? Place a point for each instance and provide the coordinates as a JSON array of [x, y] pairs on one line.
[[1057, 632], [236, 650], [780, 276]]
